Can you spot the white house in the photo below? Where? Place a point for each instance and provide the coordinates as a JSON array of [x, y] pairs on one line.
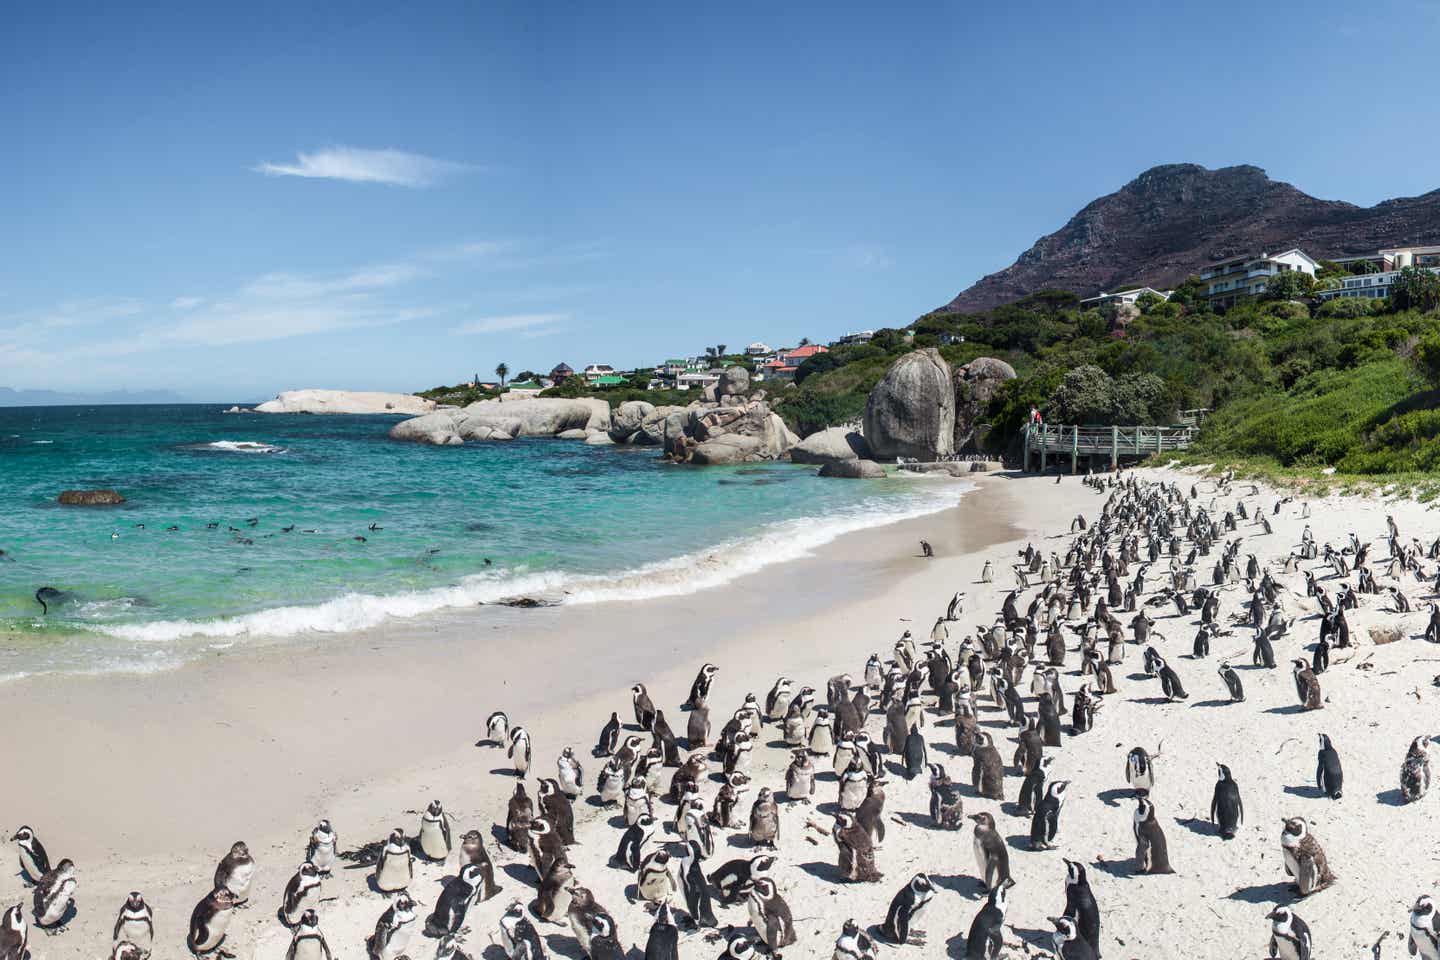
[[594, 370], [1228, 282], [1123, 296], [698, 380], [1368, 285], [757, 349]]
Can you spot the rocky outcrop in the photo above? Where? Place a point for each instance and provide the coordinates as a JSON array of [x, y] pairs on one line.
[[734, 382], [853, 470], [976, 384], [573, 434], [599, 440], [628, 418], [544, 416], [834, 445], [911, 411], [90, 498], [485, 427], [668, 421], [725, 449], [347, 402], [438, 429]]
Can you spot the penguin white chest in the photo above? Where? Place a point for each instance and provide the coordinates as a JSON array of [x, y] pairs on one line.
[[398, 940], [394, 872], [323, 856], [215, 930], [58, 903], [308, 948], [239, 880], [136, 931], [432, 839]]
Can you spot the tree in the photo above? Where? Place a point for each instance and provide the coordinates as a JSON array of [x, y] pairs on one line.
[[720, 350], [1148, 301], [502, 371], [1416, 288], [1427, 357], [1289, 285], [1086, 394], [804, 341]]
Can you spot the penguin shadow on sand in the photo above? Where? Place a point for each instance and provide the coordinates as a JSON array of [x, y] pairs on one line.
[[1120, 869], [1198, 826], [1307, 790], [1113, 796], [921, 820], [1287, 710], [1391, 798], [1279, 893], [520, 873], [564, 945], [824, 870], [1213, 703], [971, 888]]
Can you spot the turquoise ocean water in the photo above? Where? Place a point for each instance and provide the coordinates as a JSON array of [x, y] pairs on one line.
[[266, 510]]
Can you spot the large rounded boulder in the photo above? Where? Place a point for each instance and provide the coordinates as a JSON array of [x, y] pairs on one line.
[[438, 429], [832, 445], [628, 418], [976, 384], [911, 411], [853, 470], [734, 382], [91, 498]]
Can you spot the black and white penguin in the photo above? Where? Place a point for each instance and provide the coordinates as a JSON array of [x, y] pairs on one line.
[[323, 847], [1170, 683], [307, 942], [700, 688], [55, 896], [1305, 860], [520, 751], [456, 898], [236, 871], [302, 892], [770, 915], [393, 930], [1067, 943], [609, 737], [1227, 811], [992, 858], [694, 887], [569, 773], [1289, 935], [209, 921], [34, 861], [916, 754], [1139, 771], [632, 843], [947, 808], [518, 814], [497, 729], [1232, 683], [1080, 904], [395, 868], [472, 850], [987, 931], [518, 936], [435, 833], [135, 923], [853, 943], [555, 808], [739, 947], [1045, 824], [987, 775], [1423, 940], [800, 777], [663, 941], [905, 909], [1329, 777], [1152, 853], [644, 706], [552, 898], [1032, 789], [765, 819], [14, 934], [1415, 771], [733, 877], [654, 881]]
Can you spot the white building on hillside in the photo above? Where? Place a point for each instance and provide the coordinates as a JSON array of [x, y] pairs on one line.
[[757, 349], [1123, 296], [1230, 281], [1368, 285]]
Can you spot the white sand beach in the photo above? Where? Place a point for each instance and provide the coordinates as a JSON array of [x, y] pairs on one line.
[[145, 781]]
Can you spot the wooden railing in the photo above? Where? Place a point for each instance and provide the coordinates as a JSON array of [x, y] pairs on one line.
[[1058, 440]]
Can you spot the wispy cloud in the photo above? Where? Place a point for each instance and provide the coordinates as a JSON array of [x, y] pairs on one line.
[[356, 165], [287, 286], [532, 324]]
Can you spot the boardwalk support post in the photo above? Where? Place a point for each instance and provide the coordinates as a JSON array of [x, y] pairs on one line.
[[1114, 448]]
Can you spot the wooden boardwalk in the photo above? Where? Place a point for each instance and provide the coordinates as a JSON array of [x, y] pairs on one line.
[[1046, 441]]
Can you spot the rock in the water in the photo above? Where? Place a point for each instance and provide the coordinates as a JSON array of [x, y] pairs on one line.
[[653, 430], [599, 440], [730, 448], [911, 411], [434, 428], [545, 416], [91, 498], [853, 470], [627, 419], [734, 381], [976, 384], [347, 401], [486, 428], [830, 446], [576, 434]]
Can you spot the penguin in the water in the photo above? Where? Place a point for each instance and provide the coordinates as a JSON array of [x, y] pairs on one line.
[[135, 923], [905, 909], [1227, 811], [1329, 777], [986, 938], [209, 922]]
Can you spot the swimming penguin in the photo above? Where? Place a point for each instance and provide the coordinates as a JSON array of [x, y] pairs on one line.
[[734, 876], [1080, 904], [1139, 772], [135, 923], [654, 881], [1152, 854], [1415, 771], [1045, 824], [1232, 683], [55, 896], [987, 930], [520, 751], [497, 729], [1305, 860], [395, 868], [518, 815], [992, 858], [209, 922], [632, 842], [472, 850], [34, 861], [1067, 943], [609, 737], [323, 847], [307, 942], [947, 809], [1289, 935], [552, 898], [644, 707], [435, 832], [800, 777], [518, 936], [905, 909], [692, 884], [770, 915], [302, 892], [855, 852], [14, 934], [236, 871], [1329, 777], [1424, 938], [1227, 811], [392, 931]]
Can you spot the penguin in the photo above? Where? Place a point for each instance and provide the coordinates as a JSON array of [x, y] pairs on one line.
[[323, 848], [905, 909], [992, 858], [644, 707], [497, 729], [1170, 683], [765, 819], [1415, 771], [396, 866], [800, 777], [1045, 825], [34, 861], [393, 930], [653, 880], [520, 751], [1080, 904], [916, 755], [700, 688], [988, 774], [1067, 943], [55, 896], [822, 734], [853, 943], [1139, 772], [569, 773], [552, 897], [637, 801], [588, 919], [1151, 851], [1289, 935], [236, 871], [135, 923], [770, 915], [697, 727], [209, 922], [1329, 777], [545, 846], [435, 833], [472, 850], [301, 893], [518, 815], [1232, 683], [697, 827], [947, 809], [1424, 938], [632, 843], [734, 876], [738, 947], [307, 942], [455, 900], [1305, 860], [518, 936], [987, 572], [1307, 686], [1227, 811], [987, 930], [694, 887], [1032, 790], [664, 738], [609, 737], [663, 941], [727, 801], [557, 810], [14, 934], [856, 853]]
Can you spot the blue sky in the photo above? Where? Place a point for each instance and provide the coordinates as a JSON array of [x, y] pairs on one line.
[[231, 200]]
